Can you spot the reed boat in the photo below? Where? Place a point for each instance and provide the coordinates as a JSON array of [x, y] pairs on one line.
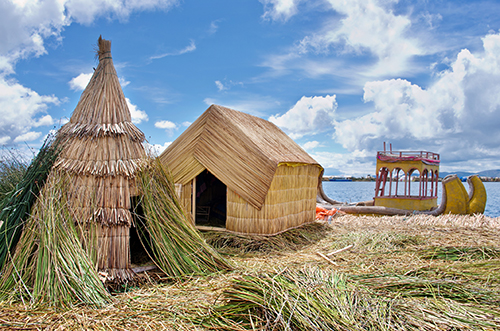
[[407, 183]]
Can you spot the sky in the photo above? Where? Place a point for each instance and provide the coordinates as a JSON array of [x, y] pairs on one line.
[[340, 77]]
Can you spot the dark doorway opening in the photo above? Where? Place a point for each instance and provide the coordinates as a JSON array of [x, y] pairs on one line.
[[211, 197], [140, 249]]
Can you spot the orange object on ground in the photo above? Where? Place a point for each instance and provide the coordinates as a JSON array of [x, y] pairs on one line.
[[323, 213]]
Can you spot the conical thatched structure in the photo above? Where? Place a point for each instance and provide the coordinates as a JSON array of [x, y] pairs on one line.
[[103, 151]]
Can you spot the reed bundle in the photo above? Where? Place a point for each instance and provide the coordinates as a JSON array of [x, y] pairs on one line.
[[309, 299], [49, 265], [312, 299], [18, 203], [177, 247], [291, 240]]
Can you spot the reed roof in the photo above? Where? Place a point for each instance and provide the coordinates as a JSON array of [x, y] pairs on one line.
[[241, 150]]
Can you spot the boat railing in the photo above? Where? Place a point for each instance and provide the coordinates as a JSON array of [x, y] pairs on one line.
[[405, 154]]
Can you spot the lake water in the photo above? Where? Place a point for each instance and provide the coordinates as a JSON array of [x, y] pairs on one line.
[[363, 191]]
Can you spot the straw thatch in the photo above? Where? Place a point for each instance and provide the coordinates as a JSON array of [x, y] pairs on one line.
[[271, 181], [103, 151]]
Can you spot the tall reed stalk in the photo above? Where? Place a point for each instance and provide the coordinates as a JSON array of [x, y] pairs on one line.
[[50, 266], [12, 169], [17, 205], [177, 247]]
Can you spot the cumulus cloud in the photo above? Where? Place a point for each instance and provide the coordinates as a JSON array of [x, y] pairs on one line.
[[80, 82], [458, 115], [165, 125], [44, 121], [358, 163], [279, 9], [168, 126], [28, 136], [367, 26], [156, 149], [308, 116], [138, 116], [310, 145], [22, 109], [26, 25], [369, 30]]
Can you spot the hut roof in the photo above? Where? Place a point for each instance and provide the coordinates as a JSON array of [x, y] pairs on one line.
[[241, 150]]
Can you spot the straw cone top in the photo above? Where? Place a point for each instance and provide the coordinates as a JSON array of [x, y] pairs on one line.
[[242, 150], [100, 137]]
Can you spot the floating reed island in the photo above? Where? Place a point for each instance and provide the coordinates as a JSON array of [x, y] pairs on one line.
[[92, 200]]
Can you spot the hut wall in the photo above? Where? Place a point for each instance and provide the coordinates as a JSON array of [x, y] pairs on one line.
[[186, 199], [113, 255], [290, 202]]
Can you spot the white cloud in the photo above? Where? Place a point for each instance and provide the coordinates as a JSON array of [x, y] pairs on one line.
[[186, 124], [167, 125], [156, 149], [25, 25], [279, 9], [219, 85], [137, 115], [4, 140], [310, 145], [123, 82], [20, 108], [80, 82], [368, 30], [458, 115], [308, 116], [357, 163], [253, 104], [28, 136], [367, 26], [190, 48], [44, 121], [214, 26]]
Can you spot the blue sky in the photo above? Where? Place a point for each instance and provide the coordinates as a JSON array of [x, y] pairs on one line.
[[340, 77]]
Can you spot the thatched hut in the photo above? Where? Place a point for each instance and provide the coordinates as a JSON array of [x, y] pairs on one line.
[[243, 173], [103, 151]]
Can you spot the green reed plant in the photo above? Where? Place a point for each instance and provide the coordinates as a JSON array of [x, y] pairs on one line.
[[177, 247], [50, 266], [17, 205]]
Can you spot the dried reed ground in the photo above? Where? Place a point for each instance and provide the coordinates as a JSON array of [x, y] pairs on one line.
[[384, 247]]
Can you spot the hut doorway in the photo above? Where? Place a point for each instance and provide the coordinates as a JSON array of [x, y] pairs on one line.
[[140, 251], [211, 200]]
